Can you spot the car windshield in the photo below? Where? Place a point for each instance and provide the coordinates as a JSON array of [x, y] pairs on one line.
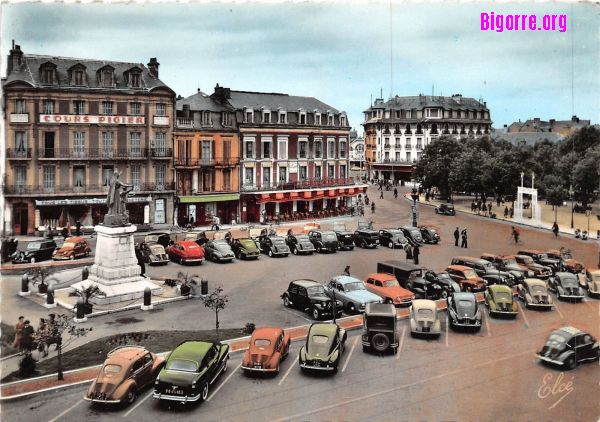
[[315, 290], [396, 232], [182, 365], [328, 237], [111, 369], [527, 260], [380, 322], [248, 243], [466, 306], [556, 341], [350, 287], [262, 342], [390, 283], [444, 277], [33, 246], [503, 296], [488, 265], [414, 232], [569, 281], [470, 273], [339, 227], [68, 245], [510, 261], [222, 246], [542, 256], [157, 249], [538, 289]]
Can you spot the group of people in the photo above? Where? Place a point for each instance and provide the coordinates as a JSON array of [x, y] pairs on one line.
[[461, 235], [65, 231], [412, 253], [28, 339]]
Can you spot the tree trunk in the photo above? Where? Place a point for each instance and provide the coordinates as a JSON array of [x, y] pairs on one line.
[[59, 371]]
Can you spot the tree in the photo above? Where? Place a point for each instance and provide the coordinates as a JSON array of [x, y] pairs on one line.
[[41, 276], [433, 168], [217, 301], [62, 325], [585, 176]]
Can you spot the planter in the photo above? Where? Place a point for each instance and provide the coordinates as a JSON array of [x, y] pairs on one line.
[[43, 288], [87, 308], [185, 290]]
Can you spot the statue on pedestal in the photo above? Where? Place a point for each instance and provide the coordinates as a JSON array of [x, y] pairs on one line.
[[116, 201]]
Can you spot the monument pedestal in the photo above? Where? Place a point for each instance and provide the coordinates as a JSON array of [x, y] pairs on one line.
[[116, 271]]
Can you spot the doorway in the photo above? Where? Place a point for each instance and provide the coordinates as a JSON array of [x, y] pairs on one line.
[[21, 218]]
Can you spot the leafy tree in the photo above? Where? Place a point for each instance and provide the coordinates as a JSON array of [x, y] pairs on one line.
[[63, 325], [433, 168], [217, 301], [585, 176]]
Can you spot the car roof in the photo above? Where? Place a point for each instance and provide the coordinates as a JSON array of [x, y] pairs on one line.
[[534, 282], [382, 276], [458, 267], [187, 243], [401, 264], [530, 251], [220, 242], [306, 282], [392, 230], [191, 350], [490, 255], [564, 274], [381, 309], [468, 258], [125, 355], [323, 328], [464, 296], [268, 333], [500, 288], [568, 332], [345, 279], [75, 239], [424, 304]]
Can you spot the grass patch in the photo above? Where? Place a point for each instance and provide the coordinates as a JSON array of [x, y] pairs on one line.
[[6, 339], [94, 352]]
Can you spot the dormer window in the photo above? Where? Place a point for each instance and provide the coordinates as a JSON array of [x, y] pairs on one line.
[[249, 116], [343, 120], [225, 118], [206, 118], [136, 78], [77, 75], [282, 117], [106, 77], [318, 119], [330, 119], [48, 74], [266, 116], [302, 117]]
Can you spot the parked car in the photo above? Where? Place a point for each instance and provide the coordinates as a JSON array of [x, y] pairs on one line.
[[379, 328], [445, 209], [366, 238], [324, 347], [566, 287], [387, 288], [125, 373], [73, 247], [429, 235], [392, 238], [413, 235], [467, 278], [161, 238], [309, 296], [34, 251], [509, 265], [190, 370], [534, 294], [155, 253], [403, 271], [323, 241], [351, 292], [567, 347], [539, 271], [218, 251], [344, 237], [424, 319], [245, 249], [186, 251], [273, 245], [542, 258], [567, 263], [300, 244], [437, 286], [499, 301], [592, 281], [432, 286], [463, 311], [485, 270], [268, 347]]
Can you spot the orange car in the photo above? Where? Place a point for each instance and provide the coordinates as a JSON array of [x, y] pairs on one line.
[[467, 278], [269, 346], [127, 370], [74, 247], [387, 287]]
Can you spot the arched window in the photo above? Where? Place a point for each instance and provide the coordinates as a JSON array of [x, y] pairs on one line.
[[407, 130], [48, 73]]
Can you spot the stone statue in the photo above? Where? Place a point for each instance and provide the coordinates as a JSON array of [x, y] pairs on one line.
[[116, 202]]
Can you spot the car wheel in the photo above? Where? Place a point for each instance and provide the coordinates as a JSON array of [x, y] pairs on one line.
[[351, 308], [286, 302], [204, 392], [391, 244], [444, 294], [270, 252], [436, 211], [316, 314], [571, 362], [131, 395], [295, 251], [363, 244], [237, 254], [32, 260], [380, 342]]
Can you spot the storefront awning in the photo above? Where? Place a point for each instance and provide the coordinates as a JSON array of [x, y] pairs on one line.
[[84, 201], [192, 199]]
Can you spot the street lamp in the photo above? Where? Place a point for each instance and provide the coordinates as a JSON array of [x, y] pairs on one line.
[[572, 205], [588, 213]]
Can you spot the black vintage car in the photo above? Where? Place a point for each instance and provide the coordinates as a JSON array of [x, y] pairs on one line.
[[245, 248], [379, 328], [403, 271], [429, 235], [323, 241], [542, 258], [486, 270], [566, 287], [425, 286], [567, 347], [273, 245], [392, 238], [34, 251], [218, 251], [366, 238], [309, 296], [299, 244], [190, 371], [413, 234], [445, 209], [463, 311], [344, 237]]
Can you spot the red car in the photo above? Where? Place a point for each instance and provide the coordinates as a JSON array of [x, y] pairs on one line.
[[467, 278], [186, 251], [387, 287], [269, 346]]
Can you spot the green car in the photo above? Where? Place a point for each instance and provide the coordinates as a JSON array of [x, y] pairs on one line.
[[499, 300], [190, 371], [245, 249], [324, 347]]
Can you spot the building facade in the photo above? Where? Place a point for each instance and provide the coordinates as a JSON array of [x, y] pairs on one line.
[[207, 159], [562, 128], [397, 130], [357, 150], [71, 123]]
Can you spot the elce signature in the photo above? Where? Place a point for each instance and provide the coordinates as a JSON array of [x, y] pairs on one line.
[[554, 387]]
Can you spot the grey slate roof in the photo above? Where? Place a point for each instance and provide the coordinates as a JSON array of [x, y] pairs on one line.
[[201, 101], [526, 138], [421, 101], [274, 101], [29, 72]]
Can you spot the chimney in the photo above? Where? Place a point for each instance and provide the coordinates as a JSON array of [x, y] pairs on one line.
[[575, 119], [153, 67], [186, 111], [222, 94], [457, 98], [15, 58], [552, 121]]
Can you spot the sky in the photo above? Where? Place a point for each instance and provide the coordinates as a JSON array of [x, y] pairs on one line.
[[344, 54]]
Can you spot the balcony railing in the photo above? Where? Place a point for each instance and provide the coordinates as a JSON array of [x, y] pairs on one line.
[[18, 153], [303, 184], [18, 189], [185, 123], [393, 161], [387, 146], [161, 152], [92, 153], [217, 161]]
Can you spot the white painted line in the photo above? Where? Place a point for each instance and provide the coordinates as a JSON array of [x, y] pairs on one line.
[[350, 354], [289, 370], [447, 325], [487, 325], [66, 411], [223, 383], [558, 310], [401, 342], [524, 316], [398, 388], [139, 402]]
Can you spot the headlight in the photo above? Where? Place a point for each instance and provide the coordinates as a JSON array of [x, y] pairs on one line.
[[194, 384]]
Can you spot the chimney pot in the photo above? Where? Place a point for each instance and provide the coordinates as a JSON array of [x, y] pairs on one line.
[[153, 67]]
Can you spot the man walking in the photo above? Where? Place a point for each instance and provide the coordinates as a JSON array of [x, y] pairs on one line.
[[347, 270], [395, 193], [381, 195], [515, 234], [464, 238], [416, 253], [456, 236], [555, 229]]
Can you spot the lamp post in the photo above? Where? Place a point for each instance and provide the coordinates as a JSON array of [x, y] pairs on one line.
[[414, 195], [588, 213], [572, 206]]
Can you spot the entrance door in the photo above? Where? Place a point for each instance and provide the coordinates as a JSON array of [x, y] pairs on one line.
[[21, 214]]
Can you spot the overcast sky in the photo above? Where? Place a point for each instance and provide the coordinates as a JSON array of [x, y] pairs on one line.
[[337, 52]]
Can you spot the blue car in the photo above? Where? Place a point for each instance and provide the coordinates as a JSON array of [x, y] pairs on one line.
[[351, 292]]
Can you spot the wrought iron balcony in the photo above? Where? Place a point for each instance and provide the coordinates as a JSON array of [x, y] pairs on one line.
[[161, 152], [303, 184], [92, 153], [199, 162], [18, 153]]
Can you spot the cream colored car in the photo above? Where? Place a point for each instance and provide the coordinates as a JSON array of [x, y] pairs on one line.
[[593, 282], [424, 319]]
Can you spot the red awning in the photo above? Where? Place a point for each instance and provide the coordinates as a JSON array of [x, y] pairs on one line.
[[331, 193], [279, 195], [307, 195], [294, 195], [320, 193], [264, 196], [351, 191]]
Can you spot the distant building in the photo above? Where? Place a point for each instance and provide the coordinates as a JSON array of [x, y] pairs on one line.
[[524, 138], [397, 130], [561, 127], [357, 149], [69, 124]]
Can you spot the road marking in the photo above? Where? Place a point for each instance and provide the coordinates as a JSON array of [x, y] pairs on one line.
[[289, 370], [558, 310], [138, 403], [524, 316], [350, 354], [66, 411], [447, 325], [487, 325], [398, 388], [298, 315], [401, 342], [223, 383]]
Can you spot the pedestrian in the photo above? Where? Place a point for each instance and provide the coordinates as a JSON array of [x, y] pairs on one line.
[[362, 211], [347, 270], [366, 200], [515, 234], [464, 238], [381, 195], [408, 250], [505, 212], [473, 207], [490, 208], [395, 193], [427, 196], [77, 227], [512, 212], [456, 236], [19, 333], [555, 229], [27, 340], [65, 233], [415, 253], [41, 336], [372, 207], [140, 259], [498, 201]]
